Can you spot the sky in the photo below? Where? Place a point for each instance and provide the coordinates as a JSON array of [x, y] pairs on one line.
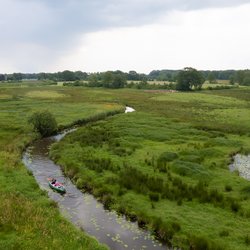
[[141, 35]]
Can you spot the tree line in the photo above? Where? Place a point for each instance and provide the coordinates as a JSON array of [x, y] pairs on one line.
[[186, 79], [234, 76]]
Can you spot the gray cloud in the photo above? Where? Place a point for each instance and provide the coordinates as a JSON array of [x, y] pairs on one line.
[[56, 25]]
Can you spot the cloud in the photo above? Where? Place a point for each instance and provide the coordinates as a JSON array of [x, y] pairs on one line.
[[38, 31], [206, 39]]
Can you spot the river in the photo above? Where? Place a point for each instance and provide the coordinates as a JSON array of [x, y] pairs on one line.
[[82, 209]]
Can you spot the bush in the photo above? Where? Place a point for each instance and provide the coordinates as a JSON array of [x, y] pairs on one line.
[[228, 188], [154, 196], [44, 123]]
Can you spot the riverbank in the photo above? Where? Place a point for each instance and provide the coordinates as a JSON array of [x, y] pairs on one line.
[[28, 219]]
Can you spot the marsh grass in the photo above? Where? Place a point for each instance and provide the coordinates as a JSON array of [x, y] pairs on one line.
[[28, 219], [168, 161], [164, 165]]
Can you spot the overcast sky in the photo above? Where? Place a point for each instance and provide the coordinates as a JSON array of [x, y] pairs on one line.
[[141, 35]]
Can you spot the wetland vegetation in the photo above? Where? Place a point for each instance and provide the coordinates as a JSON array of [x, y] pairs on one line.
[[165, 165], [28, 218]]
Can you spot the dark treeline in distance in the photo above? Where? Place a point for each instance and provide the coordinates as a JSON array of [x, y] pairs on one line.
[[118, 79]]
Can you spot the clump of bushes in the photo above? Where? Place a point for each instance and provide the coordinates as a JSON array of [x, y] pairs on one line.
[[44, 123]]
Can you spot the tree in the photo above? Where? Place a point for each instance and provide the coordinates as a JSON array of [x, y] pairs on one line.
[[93, 81], [232, 79], [189, 78], [246, 81], [44, 123], [133, 76], [17, 76], [119, 81], [67, 75], [2, 77], [107, 79], [79, 75], [211, 77]]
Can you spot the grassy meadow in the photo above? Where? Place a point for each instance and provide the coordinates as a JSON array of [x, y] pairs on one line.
[[166, 165], [28, 219]]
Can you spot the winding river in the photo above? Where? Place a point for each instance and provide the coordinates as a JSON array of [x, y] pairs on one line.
[[83, 209]]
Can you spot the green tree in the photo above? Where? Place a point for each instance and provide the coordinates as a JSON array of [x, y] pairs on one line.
[[67, 75], [246, 81], [189, 78], [2, 77], [211, 77], [44, 123], [17, 76], [93, 80], [107, 79], [240, 76], [119, 81], [232, 79]]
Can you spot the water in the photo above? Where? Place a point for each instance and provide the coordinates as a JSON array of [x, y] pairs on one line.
[[129, 110], [242, 164], [83, 209]]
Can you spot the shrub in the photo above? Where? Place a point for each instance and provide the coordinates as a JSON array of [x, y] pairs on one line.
[[154, 196], [44, 123], [228, 188]]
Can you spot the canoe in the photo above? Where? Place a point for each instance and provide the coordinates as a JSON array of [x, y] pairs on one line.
[[59, 187]]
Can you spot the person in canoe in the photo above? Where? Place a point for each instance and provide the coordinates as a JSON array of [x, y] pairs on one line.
[[54, 184], [53, 181]]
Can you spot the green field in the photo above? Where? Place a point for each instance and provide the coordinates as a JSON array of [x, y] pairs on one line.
[[28, 219], [165, 165]]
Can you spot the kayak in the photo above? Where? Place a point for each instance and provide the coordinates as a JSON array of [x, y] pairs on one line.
[[57, 187]]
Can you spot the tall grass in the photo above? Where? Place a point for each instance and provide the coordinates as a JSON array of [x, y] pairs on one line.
[[164, 165], [161, 165]]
